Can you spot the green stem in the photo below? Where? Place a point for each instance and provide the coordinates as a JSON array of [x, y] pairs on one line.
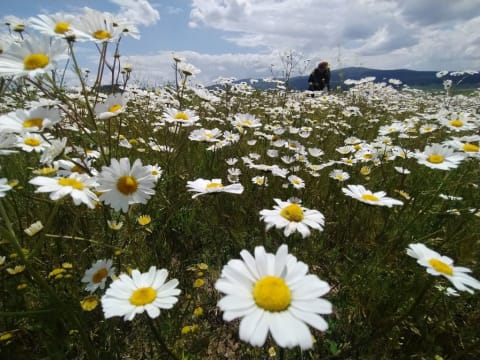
[[160, 341], [38, 279]]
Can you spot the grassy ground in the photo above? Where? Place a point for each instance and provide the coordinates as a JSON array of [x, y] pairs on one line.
[[385, 305]]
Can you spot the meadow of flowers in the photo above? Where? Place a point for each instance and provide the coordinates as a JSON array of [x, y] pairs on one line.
[[186, 222]]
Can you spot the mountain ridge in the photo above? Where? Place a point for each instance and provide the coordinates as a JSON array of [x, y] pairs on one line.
[[422, 79]]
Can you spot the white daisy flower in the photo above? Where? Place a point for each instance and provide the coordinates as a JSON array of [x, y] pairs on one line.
[[438, 156], [245, 121], [427, 128], [204, 186], [339, 175], [55, 25], [296, 181], [32, 142], [156, 171], [34, 228], [459, 122], [37, 119], [273, 293], [76, 185], [272, 153], [131, 295], [468, 148], [183, 118], [260, 180], [372, 198], [7, 141], [123, 185], [32, 57], [188, 69], [291, 217], [207, 135], [75, 165], [114, 105], [57, 146], [231, 161], [231, 137], [438, 265], [96, 276], [4, 187], [97, 26], [315, 152]]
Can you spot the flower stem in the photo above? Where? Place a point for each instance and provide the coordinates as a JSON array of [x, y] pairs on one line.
[[160, 341]]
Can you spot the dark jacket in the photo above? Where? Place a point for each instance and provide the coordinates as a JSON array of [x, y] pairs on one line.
[[319, 78]]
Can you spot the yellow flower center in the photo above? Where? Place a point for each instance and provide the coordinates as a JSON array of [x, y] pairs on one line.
[[33, 122], [271, 293], [101, 35], [370, 197], [114, 108], [470, 147], [456, 123], [61, 27], [246, 123], [35, 61], [339, 176], [292, 212], [435, 158], [181, 116], [31, 142], [71, 182], [89, 303], [214, 186], [99, 275], [19, 28], [441, 267], [144, 220], [127, 185], [143, 296], [365, 170]]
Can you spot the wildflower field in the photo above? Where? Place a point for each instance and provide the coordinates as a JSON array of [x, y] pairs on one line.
[[226, 222]]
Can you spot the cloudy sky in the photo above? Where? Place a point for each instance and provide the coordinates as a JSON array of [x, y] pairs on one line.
[[243, 38]]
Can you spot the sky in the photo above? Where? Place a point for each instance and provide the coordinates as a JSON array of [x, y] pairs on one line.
[[244, 38]]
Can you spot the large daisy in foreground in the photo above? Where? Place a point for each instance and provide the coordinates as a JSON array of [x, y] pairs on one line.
[[123, 185], [272, 293], [372, 198], [438, 265], [32, 57], [291, 216], [131, 295]]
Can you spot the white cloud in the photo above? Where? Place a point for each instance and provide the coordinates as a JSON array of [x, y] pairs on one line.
[[157, 69], [385, 34], [139, 12], [368, 32]]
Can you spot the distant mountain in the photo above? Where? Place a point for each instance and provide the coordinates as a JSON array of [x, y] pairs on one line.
[[416, 79]]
